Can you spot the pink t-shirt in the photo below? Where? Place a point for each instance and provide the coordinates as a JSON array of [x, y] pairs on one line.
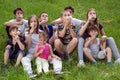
[[46, 51]]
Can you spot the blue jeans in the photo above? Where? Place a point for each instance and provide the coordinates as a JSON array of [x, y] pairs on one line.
[[111, 43], [14, 56]]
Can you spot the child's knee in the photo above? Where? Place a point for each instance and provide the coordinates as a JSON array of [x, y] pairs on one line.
[[21, 52], [108, 49]]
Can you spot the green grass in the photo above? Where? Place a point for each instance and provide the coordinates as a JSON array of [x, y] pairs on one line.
[[109, 15]]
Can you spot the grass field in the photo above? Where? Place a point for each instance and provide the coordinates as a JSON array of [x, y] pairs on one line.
[[109, 15]]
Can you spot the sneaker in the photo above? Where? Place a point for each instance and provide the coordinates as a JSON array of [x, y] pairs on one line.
[[32, 75], [117, 61], [81, 63], [95, 63], [109, 63]]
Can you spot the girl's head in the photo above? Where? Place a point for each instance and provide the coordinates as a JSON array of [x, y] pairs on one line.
[[92, 13], [43, 16], [93, 30], [33, 22], [43, 37], [65, 16]]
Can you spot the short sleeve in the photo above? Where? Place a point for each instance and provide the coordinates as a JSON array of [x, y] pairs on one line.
[[76, 22], [23, 41], [9, 42], [100, 26], [26, 22]]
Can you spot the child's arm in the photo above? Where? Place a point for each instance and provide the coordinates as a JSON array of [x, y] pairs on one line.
[[58, 21], [62, 32], [87, 42], [36, 52], [20, 43], [73, 34], [28, 39], [14, 23], [102, 44], [53, 55]]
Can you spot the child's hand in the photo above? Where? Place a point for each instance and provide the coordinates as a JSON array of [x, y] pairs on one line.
[[17, 38], [32, 24], [32, 30], [43, 22], [90, 18], [58, 58], [41, 51], [104, 38]]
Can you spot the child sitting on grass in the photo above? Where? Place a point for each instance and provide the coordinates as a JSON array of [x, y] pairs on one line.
[[96, 49], [43, 52], [15, 46]]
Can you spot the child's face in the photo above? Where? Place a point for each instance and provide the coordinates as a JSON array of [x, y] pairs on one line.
[[93, 33], [33, 22], [19, 15], [14, 32], [93, 14], [42, 40], [65, 16], [44, 16]]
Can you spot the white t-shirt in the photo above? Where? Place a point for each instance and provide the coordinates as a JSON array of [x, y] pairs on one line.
[[95, 47], [23, 26], [76, 22]]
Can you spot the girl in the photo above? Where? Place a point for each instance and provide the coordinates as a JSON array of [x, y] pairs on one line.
[[66, 36], [32, 39], [93, 20], [42, 53]]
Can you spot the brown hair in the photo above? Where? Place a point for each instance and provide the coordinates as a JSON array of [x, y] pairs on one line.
[[17, 9], [92, 27], [12, 28], [69, 7], [43, 34], [95, 21], [29, 22], [41, 14]]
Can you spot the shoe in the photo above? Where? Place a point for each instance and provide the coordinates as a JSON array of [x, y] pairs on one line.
[[95, 63], [81, 63], [117, 61], [109, 63], [32, 75]]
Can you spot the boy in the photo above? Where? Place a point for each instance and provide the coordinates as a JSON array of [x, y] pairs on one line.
[[15, 46], [18, 21], [93, 45], [75, 22]]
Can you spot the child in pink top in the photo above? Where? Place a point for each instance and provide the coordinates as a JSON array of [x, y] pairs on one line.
[[43, 52]]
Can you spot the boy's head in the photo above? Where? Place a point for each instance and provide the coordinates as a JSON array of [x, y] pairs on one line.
[[70, 9], [43, 16], [18, 13], [14, 31], [43, 37], [92, 30]]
